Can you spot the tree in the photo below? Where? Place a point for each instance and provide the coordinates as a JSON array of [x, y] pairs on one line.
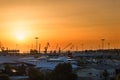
[[8, 69], [4, 77], [105, 75], [117, 71], [22, 69], [63, 72], [35, 74], [118, 77]]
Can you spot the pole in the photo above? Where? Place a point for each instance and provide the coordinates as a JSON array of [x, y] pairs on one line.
[[102, 43], [108, 45], [39, 47], [36, 38]]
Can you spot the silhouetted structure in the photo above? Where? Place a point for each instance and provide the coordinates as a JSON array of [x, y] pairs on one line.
[[36, 38], [102, 43]]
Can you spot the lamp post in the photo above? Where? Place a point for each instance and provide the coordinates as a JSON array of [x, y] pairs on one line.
[[102, 43], [39, 47], [36, 38]]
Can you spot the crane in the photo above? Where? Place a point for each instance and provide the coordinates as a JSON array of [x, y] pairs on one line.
[[1, 47], [46, 47], [71, 47], [55, 48], [67, 46]]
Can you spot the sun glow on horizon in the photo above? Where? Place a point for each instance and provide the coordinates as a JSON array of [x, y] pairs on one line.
[[61, 21], [20, 30], [20, 36]]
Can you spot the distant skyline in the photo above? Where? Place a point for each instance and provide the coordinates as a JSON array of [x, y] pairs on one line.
[[59, 22]]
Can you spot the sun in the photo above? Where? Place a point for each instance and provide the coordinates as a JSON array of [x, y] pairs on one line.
[[20, 36]]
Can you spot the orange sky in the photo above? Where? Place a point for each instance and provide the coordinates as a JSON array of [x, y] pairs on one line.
[[59, 21]]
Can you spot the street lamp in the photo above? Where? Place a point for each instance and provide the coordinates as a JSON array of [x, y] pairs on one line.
[[36, 38], [102, 43]]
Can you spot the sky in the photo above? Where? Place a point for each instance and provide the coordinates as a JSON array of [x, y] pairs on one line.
[[59, 22]]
